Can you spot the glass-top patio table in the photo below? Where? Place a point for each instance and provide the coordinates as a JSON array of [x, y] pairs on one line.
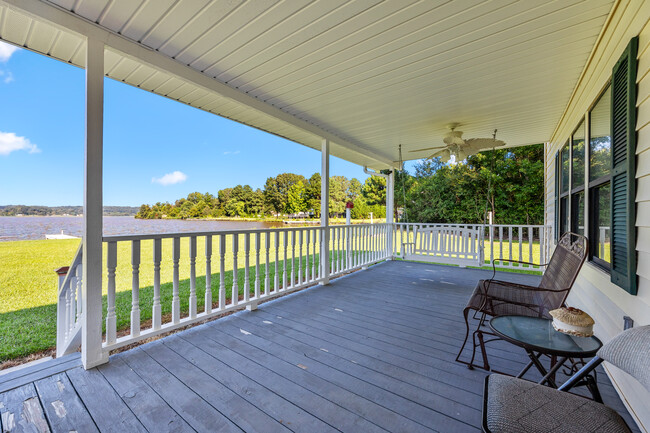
[[537, 336]]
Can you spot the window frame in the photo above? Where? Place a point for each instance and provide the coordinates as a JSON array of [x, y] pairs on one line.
[[592, 211]]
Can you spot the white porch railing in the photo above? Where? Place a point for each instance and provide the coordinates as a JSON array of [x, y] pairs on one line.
[[157, 283], [69, 307], [530, 243]]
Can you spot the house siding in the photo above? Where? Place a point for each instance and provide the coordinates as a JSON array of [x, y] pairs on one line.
[[593, 290]]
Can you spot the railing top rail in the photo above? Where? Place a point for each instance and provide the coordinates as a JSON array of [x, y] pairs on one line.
[[475, 225], [135, 237]]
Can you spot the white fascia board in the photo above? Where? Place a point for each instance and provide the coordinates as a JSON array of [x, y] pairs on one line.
[[69, 21]]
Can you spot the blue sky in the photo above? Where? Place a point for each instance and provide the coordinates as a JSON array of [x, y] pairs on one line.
[[155, 149]]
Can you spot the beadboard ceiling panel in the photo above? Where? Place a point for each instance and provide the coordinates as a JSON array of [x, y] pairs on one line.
[[369, 74]]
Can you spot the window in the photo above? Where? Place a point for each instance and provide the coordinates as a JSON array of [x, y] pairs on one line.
[[578, 180], [564, 190], [600, 161], [595, 179]]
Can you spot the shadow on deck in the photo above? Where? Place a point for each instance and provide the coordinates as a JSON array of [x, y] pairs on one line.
[[373, 351]]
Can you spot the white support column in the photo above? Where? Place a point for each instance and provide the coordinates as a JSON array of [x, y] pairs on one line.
[[91, 334], [324, 212], [390, 211]]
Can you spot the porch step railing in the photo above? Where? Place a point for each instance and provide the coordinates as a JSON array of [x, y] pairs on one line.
[[184, 278], [69, 306], [530, 243]]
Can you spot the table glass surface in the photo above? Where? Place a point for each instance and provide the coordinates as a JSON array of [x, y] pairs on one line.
[[539, 333]]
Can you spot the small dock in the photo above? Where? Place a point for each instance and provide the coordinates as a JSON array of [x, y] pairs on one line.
[[61, 236]]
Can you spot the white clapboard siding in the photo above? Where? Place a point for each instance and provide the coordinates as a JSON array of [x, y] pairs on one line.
[[593, 290]]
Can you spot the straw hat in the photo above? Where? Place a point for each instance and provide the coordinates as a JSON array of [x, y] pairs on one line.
[[572, 321]]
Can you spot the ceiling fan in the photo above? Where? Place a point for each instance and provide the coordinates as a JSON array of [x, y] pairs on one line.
[[460, 148]]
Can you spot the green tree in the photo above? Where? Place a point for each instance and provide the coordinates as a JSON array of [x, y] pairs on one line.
[[312, 194], [374, 190], [338, 194], [296, 198], [276, 190]]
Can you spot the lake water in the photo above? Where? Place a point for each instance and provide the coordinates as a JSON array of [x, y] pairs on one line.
[[36, 227]]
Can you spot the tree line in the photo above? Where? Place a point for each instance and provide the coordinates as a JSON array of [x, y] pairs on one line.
[[507, 182], [284, 194], [13, 210]]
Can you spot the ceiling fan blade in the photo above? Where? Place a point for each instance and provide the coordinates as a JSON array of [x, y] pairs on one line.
[[478, 144], [445, 155], [427, 148]]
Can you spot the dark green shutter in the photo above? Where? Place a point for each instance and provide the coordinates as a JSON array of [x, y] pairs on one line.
[[623, 190], [557, 196]]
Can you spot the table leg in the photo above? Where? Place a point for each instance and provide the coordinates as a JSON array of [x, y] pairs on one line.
[[527, 367], [550, 376], [535, 360]]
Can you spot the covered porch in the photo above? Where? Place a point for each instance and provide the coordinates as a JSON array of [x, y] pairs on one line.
[[374, 83], [372, 351]]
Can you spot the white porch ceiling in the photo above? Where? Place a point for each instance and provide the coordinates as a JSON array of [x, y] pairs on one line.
[[368, 74]]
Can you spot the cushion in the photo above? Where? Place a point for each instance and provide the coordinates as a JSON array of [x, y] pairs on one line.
[[519, 406], [630, 351]]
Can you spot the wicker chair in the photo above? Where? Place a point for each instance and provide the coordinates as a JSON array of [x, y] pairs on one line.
[[501, 298], [516, 405]]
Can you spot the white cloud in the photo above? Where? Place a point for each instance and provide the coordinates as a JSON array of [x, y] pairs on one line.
[[231, 152], [6, 51], [170, 178], [8, 76], [10, 142]]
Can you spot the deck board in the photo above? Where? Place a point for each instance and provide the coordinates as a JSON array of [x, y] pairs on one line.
[[63, 407], [373, 351]]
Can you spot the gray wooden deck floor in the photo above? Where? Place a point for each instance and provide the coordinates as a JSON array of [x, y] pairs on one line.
[[373, 351]]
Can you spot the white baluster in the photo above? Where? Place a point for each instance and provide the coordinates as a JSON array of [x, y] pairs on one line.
[[277, 263], [235, 283], [111, 319], [339, 252], [300, 257], [314, 271], [293, 259], [77, 308], [348, 249], [247, 250], [331, 251], [68, 306], [510, 243], [222, 272], [520, 231], [257, 265], [530, 244], [267, 267], [176, 300], [135, 289], [284, 262], [208, 274], [156, 310], [307, 264], [192, 300]]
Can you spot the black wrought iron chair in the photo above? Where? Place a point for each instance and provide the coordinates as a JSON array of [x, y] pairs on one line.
[[500, 298], [516, 405]]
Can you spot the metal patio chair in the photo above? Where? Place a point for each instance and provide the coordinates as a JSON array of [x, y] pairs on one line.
[[516, 405], [503, 298]]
